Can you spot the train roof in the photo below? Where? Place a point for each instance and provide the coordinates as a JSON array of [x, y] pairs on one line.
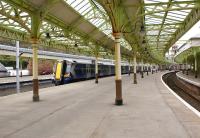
[[83, 61], [92, 61]]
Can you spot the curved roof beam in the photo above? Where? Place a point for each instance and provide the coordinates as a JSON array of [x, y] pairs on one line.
[[47, 12], [14, 14]]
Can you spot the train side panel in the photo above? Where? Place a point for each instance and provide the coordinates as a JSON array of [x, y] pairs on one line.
[[65, 73]]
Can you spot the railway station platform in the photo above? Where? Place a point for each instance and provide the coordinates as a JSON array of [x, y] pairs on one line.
[[189, 78], [86, 110], [23, 78]]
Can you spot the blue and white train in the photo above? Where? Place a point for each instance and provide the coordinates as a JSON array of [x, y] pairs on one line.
[[71, 70]]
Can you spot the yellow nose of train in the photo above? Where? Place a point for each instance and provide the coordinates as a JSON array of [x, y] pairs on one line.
[[58, 71]]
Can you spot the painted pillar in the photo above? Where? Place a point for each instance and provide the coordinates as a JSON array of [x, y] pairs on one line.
[[195, 64], [183, 68], [186, 69], [129, 68], [186, 66], [156, 68], [135, 70], [36, 22], [35, 72], [151, 68], [142, 69], [118, 81], [96, 69], [147, 69]]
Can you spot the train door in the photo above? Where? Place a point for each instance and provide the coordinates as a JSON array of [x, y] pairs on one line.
[[92, 70], [100, 70], [87, 71], [109, 70], [79, 71], [64, 67]]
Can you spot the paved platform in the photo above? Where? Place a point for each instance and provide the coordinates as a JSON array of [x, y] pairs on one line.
[[87, 110], [189, 78], [23, 78]]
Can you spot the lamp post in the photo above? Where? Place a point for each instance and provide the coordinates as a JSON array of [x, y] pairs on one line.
[[20, 61], [17, 67]]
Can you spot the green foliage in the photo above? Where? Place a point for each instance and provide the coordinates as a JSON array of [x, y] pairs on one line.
[[191, 60], [10, 61]]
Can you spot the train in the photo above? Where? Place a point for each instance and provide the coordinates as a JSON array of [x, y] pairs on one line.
[[67, 71]]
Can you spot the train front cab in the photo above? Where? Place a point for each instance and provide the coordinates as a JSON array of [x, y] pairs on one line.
[[62, 73]]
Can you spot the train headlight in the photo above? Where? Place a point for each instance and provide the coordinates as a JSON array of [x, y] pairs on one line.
[[67, 75]]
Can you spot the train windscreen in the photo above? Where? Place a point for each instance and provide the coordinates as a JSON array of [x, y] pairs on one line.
[[68, 69]]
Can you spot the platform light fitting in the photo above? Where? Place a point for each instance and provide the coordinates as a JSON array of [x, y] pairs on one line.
[[75, 45], [21, 54], [48, 35], [142, 31], [143, 43]]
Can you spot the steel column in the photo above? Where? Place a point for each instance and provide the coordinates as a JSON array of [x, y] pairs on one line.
[[135, 70], [195, 64], [118, 81], [35, 73], [186, 66], [17, 67], [151, 69], [183, 68], [96, 70], [142, 66]]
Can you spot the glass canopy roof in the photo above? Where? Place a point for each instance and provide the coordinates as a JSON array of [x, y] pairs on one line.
[[11, 22], [20, 21], [96, 15], [163, 18]]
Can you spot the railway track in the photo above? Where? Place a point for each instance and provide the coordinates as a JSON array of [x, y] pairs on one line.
[[10, 88], [171, 80], [23, 83]]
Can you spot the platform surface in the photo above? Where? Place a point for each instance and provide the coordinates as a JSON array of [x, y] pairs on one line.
[[24, 78], [189, 78], [87, 110]]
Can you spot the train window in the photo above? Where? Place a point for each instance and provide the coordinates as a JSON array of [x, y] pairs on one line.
[[68, 69]]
